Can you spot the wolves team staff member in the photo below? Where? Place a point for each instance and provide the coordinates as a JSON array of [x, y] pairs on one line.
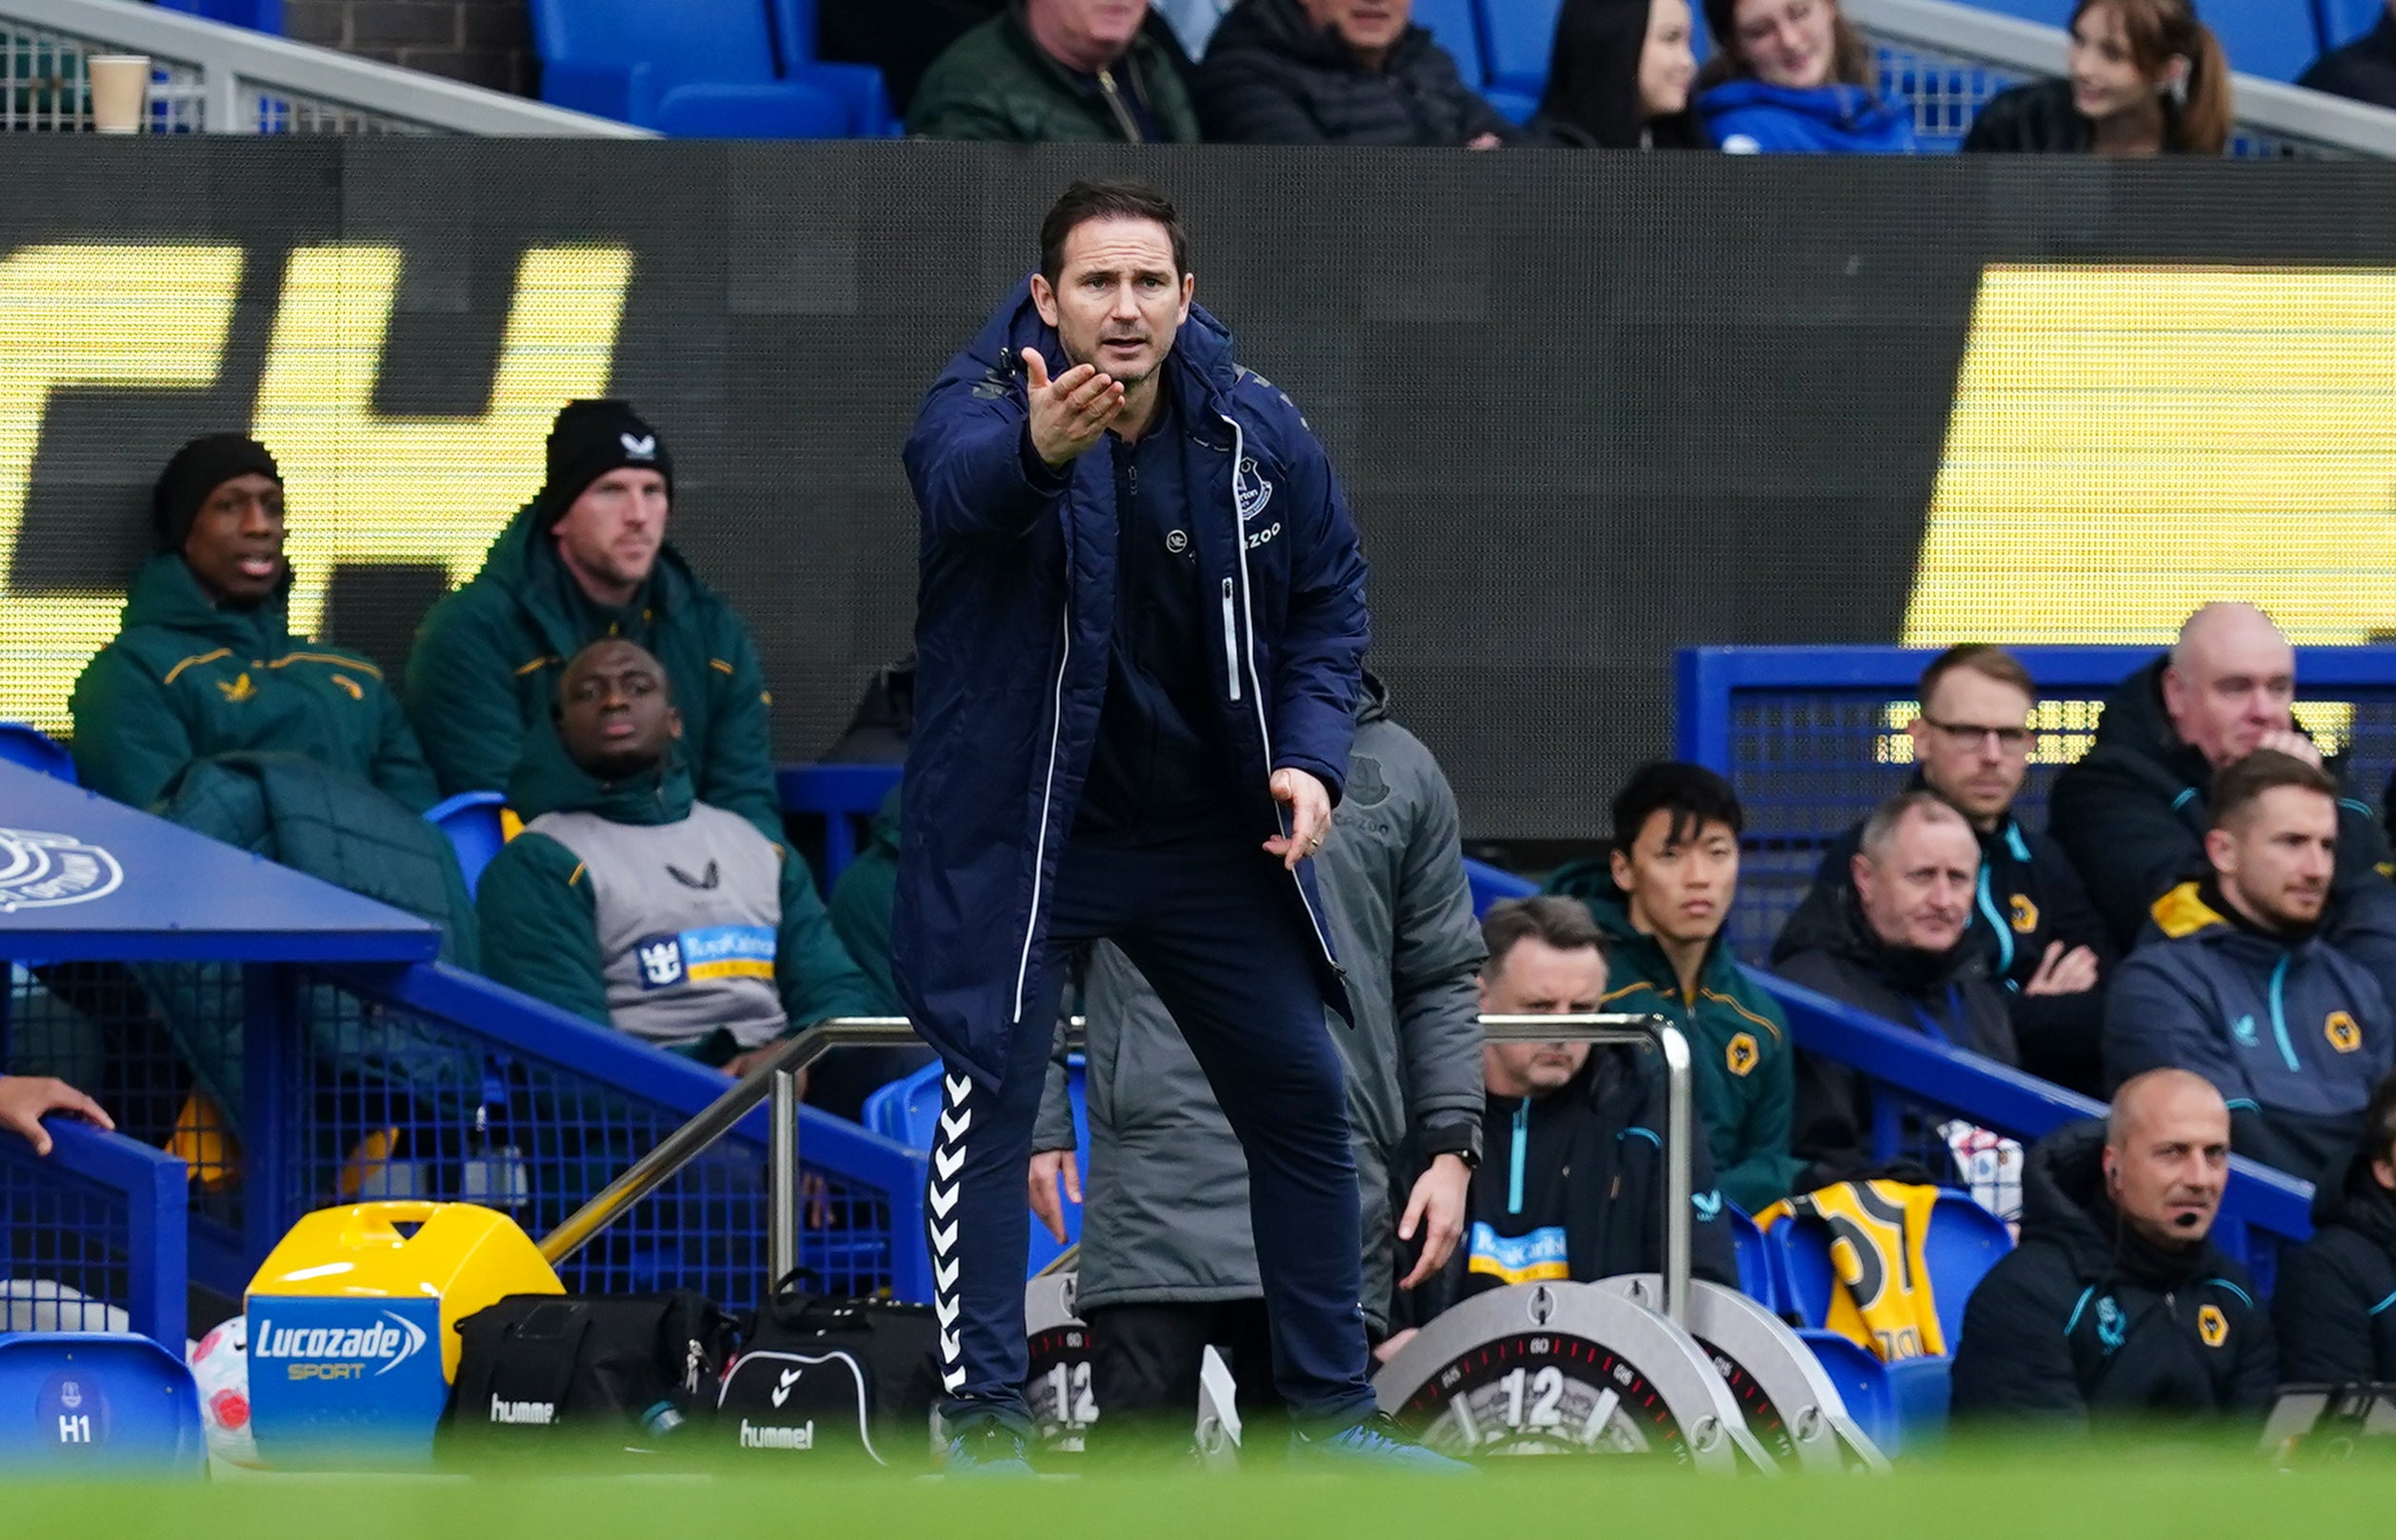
[[2335, 1305], [2115, 1305], [206, 663], [1140, 622], [588, 558]]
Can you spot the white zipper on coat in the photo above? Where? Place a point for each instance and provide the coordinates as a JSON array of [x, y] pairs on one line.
[[1040, 849], [1230, 637], [1248, 619]]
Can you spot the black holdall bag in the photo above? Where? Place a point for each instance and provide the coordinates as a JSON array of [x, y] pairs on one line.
[[535, 1365], [829, 1376]]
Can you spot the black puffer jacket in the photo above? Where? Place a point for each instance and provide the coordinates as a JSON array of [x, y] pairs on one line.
[[1273, 77], [2132, 815], [2335, 1305], [1949, 996], [2087, 1321]]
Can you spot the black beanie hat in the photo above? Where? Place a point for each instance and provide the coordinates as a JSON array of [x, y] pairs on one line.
[[198, 469], [590, 439]]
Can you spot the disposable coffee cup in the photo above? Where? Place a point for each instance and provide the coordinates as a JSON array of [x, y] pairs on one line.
[[120, 92]]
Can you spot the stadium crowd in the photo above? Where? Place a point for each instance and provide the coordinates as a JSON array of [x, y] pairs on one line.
[[2145, 77], [2204, 932]]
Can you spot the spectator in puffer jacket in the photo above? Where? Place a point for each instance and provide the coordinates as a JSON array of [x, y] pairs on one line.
[[1795, 77], [2148, 78], [2117, 1306], [1055, 71], [1168, 1264], [634, 905], [2335, 1305], [2238, 984], [1337, 72], [1893, 941]]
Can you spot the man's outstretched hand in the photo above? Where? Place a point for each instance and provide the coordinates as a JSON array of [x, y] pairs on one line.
[[1310, 807], [1069, 413], [25, 1100]]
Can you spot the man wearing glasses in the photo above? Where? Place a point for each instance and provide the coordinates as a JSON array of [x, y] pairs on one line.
[[2044, 940]]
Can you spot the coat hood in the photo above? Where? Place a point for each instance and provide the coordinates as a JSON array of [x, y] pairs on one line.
[[524, 561], [2359, 1203], [1372, 700], [1832, 920], [549, 780], [2064, 1206], [164, 594], [1846, 109]]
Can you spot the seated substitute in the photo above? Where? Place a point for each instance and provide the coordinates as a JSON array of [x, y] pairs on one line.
[[1572, 1183], [635, 905], [588, 558], [205, 664], [1662, 898], [2115, 1306], [2239, 984], [2044, 943], [1168, 1262], [1051, 72], [2331, 1306], [1337, 72], [2132, 812], [1893, 941]]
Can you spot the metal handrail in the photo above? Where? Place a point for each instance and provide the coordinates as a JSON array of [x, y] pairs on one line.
[[228, 58], [777, 1079], [2289, 112]]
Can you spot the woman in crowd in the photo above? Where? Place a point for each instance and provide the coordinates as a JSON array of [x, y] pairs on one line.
[[1619, 79], [2147, 78], [1795, 77]]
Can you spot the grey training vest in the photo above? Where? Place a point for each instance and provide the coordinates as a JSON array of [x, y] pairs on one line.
[[686, 916]]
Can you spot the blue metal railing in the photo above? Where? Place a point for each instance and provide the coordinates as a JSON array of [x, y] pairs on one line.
[[94, 1226]]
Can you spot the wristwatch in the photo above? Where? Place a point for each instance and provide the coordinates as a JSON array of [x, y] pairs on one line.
[[1461, 1140]]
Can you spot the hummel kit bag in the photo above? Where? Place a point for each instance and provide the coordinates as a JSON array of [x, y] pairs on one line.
[[635, 1366], [831, 1376]]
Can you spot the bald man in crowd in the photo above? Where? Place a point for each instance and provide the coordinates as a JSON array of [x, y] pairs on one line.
[[2133, 813], [2117, 1307]]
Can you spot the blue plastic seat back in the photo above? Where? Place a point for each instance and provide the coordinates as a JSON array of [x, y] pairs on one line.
[[2275, 39], [36, 751], [1490, 883], [1457, 28], [2343, 21], [908, 1110], [1965, 1241], [1808, 1280], [691, 41], [97, 1403], [1522, 39], [842, 795], [782, 110], [1758, 1278], [1862, 1379], [471, 820]]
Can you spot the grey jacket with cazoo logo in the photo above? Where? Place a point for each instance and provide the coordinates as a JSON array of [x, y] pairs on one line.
[[1167, 1218]]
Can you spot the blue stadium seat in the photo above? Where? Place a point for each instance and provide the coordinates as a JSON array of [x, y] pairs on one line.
[[1966, 1240], [1758, 1278], [97, 1404], [907, 1110], [1522, 36], [1456, 27], [1489, 884], [1808, 1281], [2342, 21], [712, 63], [841, 796], [36, 751], [1896, 1405], [471, 821]]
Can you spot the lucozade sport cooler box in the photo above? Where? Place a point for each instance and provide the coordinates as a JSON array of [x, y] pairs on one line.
[[353, 1325]]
